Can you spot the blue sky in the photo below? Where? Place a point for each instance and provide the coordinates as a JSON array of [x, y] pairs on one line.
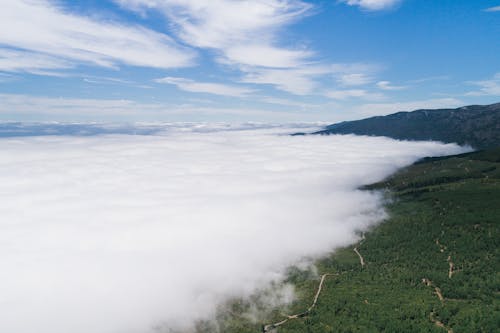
[[228, 60]]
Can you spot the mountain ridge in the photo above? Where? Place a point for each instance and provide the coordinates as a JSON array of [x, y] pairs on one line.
[[474, 125]]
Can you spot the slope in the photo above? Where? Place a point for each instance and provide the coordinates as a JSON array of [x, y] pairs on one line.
[[478, 126]]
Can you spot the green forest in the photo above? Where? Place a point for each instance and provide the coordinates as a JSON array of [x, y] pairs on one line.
[[432, 266]]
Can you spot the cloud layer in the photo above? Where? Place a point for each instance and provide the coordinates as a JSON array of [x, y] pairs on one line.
[[121, 233]]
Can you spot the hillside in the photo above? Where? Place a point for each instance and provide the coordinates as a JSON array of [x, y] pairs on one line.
[[478, 126], [432, 266]]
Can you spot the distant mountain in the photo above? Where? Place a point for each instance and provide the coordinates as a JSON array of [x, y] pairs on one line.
[[476, 125]]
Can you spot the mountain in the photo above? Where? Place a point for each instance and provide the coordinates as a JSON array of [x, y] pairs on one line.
[[475, 125]]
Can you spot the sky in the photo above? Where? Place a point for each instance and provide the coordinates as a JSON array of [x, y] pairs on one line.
[[239, 61]]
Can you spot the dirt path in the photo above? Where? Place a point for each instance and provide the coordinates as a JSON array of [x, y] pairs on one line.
[[268, 328], [439, 295], [451, 269], [320, 287], [451, 266], [361, 260], [437, 291]]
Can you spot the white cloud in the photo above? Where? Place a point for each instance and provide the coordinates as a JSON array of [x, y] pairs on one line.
[[124, 233], [372, 4], [354, 79], [487, 87], [386, 85], [221, 23], [493, 9], [103, 80], [206, 87], [243, 32], [298, 81], [19, 61], [377, 109], [431, 78], [289, 102], [303, 80], [46, 37], [353, 93], [266, 56], [246, 36]]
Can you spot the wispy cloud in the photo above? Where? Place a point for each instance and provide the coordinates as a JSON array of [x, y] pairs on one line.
[[493, 9], [298, 81], [354, 79], [289, 102], [206, 87], [489, 87], [372, 5], [37, 35], [353, 93], [266, 56], [242, 32], [386, 85], [245, 35], [303, 80], [430, 78], [101, 80], [32, 62]]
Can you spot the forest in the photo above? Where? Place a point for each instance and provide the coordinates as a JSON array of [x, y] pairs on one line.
[[432, 266]]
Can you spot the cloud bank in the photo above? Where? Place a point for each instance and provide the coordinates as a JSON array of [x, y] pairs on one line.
[[125, 233]]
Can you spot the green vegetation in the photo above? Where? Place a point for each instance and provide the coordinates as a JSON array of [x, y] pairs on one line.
[[441, 240], [476, 125]]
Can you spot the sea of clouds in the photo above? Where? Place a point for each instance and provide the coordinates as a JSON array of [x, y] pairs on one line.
[[121, 233]]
